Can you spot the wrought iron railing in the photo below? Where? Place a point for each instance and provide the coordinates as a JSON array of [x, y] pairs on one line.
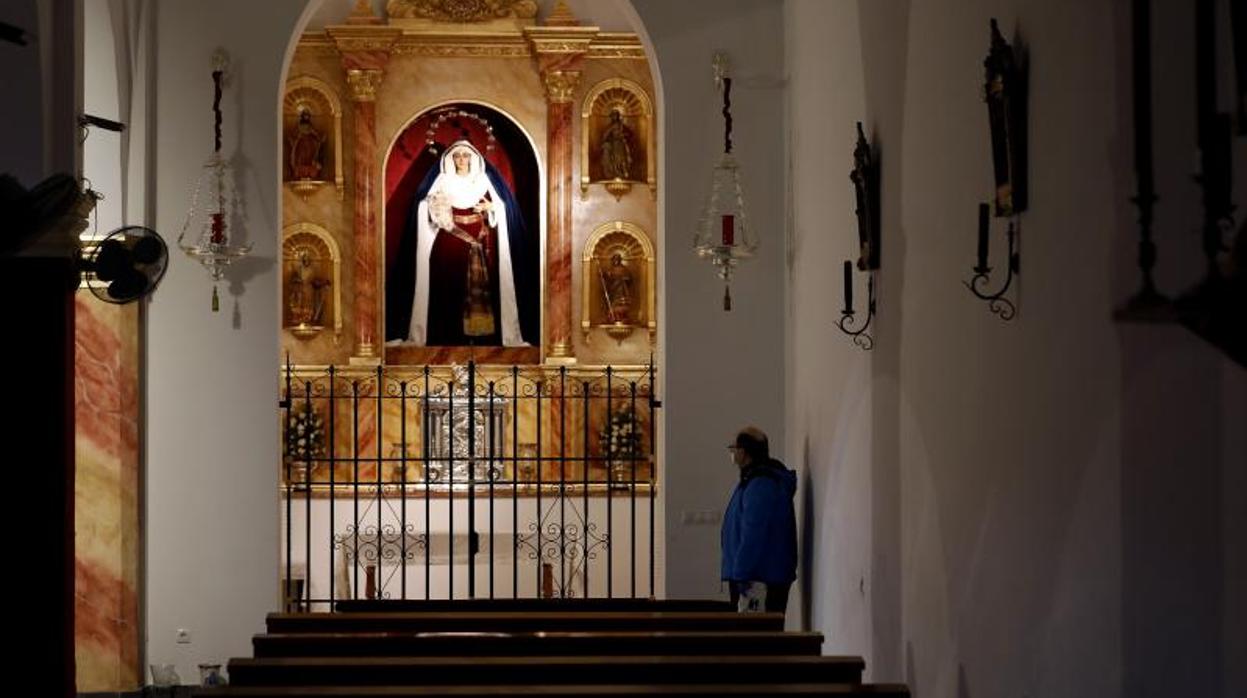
[[467, 481]]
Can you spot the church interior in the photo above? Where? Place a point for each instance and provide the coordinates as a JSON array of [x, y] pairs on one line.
[[467, 297]]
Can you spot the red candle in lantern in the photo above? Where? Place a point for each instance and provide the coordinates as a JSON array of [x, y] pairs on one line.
[[729, 230], [218, 229]]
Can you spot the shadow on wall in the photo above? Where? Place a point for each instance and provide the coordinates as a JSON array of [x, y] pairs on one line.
[[1172, 545], [885, 44], [805, 566]]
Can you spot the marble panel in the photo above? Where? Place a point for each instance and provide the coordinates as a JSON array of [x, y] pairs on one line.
[[107, 543], [365, 225], [559, 238]]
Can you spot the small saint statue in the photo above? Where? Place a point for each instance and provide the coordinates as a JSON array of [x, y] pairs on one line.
[[616, 149], [617, 282], [303, 294], [306, 144]]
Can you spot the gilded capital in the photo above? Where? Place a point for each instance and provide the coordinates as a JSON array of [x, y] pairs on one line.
[[365, 42], [364, 83], [560, 84]]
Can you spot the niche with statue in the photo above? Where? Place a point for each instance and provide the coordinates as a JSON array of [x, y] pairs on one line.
[[617, 147], [618, 277], [311, 137], [311, 281]]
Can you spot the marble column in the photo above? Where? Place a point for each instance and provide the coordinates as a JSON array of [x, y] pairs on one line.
[[560, 46], [364, 44], [107, 570], [560, 80], [363, 83]]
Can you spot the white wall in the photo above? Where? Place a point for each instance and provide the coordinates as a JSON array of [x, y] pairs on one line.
[[721, 370], [101, 152], [1035, 508], [211, 436], [828, 377]]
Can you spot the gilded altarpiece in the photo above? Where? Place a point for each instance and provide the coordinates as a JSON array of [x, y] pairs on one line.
[[516, 87]]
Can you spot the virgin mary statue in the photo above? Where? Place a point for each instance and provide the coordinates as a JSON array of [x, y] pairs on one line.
[[465, 255]]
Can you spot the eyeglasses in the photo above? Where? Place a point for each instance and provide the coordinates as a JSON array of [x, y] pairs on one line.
[[733, 447]]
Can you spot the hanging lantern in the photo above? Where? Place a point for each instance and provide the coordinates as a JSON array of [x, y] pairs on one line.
[[214, 201], [723, 233]]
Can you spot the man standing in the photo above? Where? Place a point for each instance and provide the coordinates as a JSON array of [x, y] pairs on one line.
[[759, 536]]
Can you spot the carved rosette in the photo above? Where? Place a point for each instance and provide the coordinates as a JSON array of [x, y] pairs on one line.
[[462, 11]]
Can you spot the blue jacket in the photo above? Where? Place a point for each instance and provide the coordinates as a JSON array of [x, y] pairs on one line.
[[759, 536]]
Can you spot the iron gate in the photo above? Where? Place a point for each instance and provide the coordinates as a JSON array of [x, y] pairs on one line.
[[468, 481]]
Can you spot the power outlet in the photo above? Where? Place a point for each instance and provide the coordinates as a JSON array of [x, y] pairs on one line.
[[183, 636], [699, 518]]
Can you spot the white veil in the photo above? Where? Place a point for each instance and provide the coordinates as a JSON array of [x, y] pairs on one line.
[[433, 217]]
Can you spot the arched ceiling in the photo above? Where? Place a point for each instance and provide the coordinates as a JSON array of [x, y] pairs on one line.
[[599, 13]]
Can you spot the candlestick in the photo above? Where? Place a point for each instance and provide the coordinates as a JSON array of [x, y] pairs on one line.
[[984, 213], [848, 287], [729, 230], [848, 318]]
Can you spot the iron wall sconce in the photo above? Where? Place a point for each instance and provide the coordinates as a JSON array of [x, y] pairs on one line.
[[865, 178], [1005, 92], [996, 302], [847, 316]]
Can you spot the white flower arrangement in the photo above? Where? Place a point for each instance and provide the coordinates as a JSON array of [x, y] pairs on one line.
[[440, 209], [621, 437], [306, 438]]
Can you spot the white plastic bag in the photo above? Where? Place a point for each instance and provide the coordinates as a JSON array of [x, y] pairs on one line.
[[752, 598]]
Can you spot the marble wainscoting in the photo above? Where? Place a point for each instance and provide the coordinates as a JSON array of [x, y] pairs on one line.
[[107, 539]]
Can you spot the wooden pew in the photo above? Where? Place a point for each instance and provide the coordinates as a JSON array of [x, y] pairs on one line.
[[387, 644]]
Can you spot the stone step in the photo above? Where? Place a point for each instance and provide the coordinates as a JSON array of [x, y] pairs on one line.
[[407, 671], [756, 690], [519, 621], [571, 604], [385, 644]]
